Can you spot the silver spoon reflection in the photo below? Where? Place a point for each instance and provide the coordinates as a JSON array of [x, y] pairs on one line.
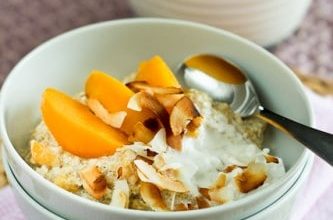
[[225, 82]]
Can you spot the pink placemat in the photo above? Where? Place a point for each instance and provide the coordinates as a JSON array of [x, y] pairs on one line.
[[9, 209]]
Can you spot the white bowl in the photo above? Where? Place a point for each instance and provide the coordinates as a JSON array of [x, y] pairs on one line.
[[30, 208], [265, 22], [278, 210], [116, 47]]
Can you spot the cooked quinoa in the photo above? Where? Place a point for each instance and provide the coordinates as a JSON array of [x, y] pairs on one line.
[[120, 166]]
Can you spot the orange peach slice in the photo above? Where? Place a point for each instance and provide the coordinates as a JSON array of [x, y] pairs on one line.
[[156, 73], [112, 93], [76, 128], [114, 96]]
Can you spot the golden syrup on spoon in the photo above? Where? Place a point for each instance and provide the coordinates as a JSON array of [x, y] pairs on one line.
[[217, 68]]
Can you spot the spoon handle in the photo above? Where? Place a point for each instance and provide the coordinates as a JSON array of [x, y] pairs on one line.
[[321, 143]]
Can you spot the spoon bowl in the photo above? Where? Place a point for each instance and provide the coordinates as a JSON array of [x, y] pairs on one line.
[[225, 82]]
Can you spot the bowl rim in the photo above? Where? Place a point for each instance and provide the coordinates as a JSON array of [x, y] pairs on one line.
[[132, 21]]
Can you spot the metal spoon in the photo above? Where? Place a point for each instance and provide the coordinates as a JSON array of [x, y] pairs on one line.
[[225, 82]]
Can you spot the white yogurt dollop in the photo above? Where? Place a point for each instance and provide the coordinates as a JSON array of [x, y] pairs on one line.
[[217, 145]]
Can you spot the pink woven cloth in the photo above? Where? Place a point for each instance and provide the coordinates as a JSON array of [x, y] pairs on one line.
[[313, 202], [9, 209]]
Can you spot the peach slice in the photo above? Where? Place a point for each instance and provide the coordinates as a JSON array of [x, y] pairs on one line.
[[76, 128], [156, 73], [114, 96]]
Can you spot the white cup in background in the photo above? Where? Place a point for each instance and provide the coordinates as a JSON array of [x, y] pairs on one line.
[[265, 22]]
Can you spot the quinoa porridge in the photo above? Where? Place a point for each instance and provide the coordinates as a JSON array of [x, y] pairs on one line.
[[171, 149]]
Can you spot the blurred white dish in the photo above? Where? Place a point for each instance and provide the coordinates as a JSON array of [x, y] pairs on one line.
[[265, 22], [116, 47]]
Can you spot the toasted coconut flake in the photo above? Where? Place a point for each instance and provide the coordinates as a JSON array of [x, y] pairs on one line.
[[169, 100], [175, 141], [127, 172], [185, 206], [115, 119], [159, 161], [192, 127], [251, 178], [138, 86], [220, 196], [181, 207], [202, 202], [153, 124], [148, 173], [152, 196], [220, 181], [42, 155], [93, 181], [150, 153], [120, 195], [151, 103], [204, 192], [142, 100], [146, 159], [192, 206], [134, 103], [147, 101], [143, 151], [146, 131], [120, 173], [158, 143], [182, 114], [216, 191], [141, 133], [143, 177], [173, 174], [271, 159], [230, 168]]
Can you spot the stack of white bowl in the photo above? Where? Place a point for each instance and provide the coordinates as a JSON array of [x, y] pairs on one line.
[[117, 47], [280, 208], [265, 22]]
